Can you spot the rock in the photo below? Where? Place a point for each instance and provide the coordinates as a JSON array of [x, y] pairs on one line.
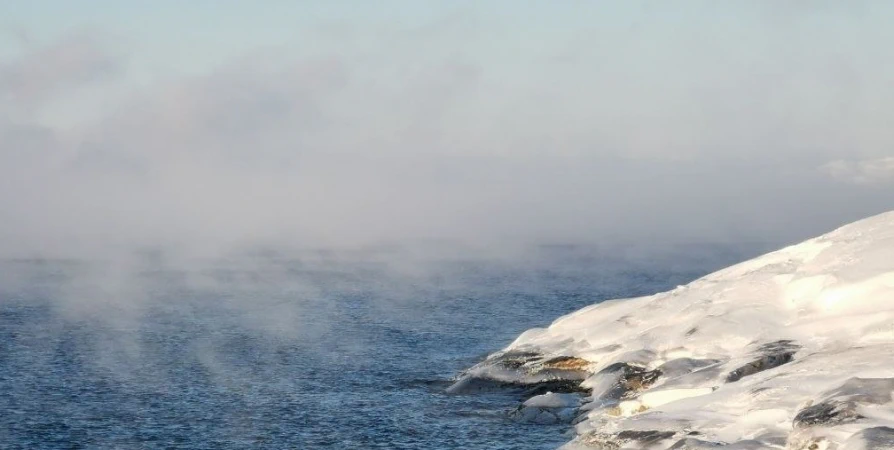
[[567, 363], [550, 384], [815, 425], [774, 354], [638, 439], [474, 384], [828, 413], [548, 408], [621, 380], [561, 386], [698, 444], [877, 438], [694, 444], [683, 366], [840, 406], [876, 391], [697, 378], [554, 400], [515, 360], [529, 373]]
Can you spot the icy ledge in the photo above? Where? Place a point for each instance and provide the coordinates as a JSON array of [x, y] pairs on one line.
[[793, 349]]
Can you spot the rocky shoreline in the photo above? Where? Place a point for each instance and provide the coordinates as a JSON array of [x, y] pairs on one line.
[[791, 350], [564, 389]]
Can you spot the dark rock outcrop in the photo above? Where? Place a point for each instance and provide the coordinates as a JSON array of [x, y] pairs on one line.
[[772, 355], [528, 373], [840, 406], [623, 380], [828, 413]]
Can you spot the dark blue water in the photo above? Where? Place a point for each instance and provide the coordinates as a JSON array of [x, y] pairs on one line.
[[265, 351]]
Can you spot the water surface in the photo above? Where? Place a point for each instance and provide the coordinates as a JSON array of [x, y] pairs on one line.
[[266, 351]]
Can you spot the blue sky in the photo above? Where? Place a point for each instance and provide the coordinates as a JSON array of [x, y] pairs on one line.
[[201, 33], [356, 121], [163, 39]]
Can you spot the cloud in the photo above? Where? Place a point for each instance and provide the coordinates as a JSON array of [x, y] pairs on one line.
[[469, 136], [432, 138], [40, 74], [866, 172]]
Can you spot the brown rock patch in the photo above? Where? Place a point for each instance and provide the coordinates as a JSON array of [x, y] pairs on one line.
[[567, 363]]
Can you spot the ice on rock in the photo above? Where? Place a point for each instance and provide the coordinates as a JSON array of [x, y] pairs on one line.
[[529, 372], [553, 400], [876, 438], [793, 349], [549, 408], [772, 355]]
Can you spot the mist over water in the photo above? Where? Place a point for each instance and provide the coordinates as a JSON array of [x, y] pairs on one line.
[[339, 125], [323, 349], [287, 224]]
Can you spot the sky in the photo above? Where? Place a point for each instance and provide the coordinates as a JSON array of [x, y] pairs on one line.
[[212, 124]]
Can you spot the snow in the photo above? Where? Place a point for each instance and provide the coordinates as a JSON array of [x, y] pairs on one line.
[[743, 351], [553, 400]]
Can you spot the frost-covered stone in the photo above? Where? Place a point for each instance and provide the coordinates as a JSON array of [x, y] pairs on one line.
[[549, 408], [792, 349], [772, 355], [876, 438], [532, 373]]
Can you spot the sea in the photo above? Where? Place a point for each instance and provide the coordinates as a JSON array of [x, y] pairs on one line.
[[318, 349]]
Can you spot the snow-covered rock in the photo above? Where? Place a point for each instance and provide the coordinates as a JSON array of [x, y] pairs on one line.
[[793, 349], [549, 408]]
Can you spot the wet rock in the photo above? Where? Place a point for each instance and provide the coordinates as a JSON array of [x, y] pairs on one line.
[[560, 386], [549, 408], [773, 354], [529, 373], [545, 416], [473, 385]]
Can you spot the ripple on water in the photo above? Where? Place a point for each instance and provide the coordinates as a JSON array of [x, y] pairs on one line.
[[255, 366]]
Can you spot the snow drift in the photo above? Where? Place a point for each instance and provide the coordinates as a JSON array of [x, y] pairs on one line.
[[793, 349]]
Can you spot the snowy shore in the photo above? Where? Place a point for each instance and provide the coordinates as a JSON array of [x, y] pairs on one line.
[[793, 349]]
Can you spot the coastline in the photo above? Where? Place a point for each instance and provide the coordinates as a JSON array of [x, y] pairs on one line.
[[792, 349]]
